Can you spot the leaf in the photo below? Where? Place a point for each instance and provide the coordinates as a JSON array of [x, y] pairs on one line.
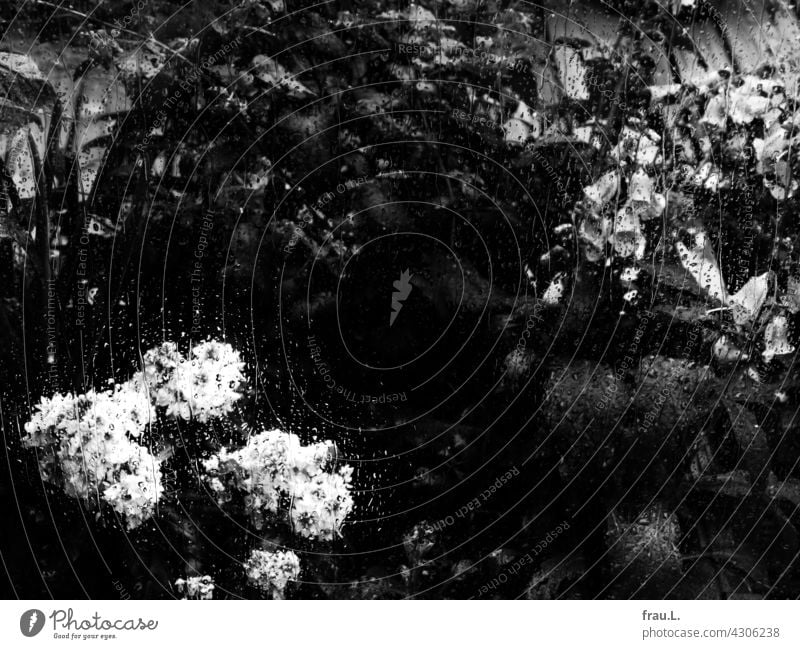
[[515, 131], [417, 17], [750, 437], [572, 71], [628, 236], [776, 338], [21, 64], [641, 186], [748, 300], [19, 159], [595, 233], [792, 298], [371, 102], [65, 89], [604, 189], [735, 484], [788, 489], [642, 148], [24, 93], [100, 93], [747, 102], [142, 64], [89, 163], [100, 226], [702, 265], [555, 291], [270, 71], [725, 351]]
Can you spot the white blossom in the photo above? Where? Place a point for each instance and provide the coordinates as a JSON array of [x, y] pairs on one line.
[[271, 571], [320, 504], [88, 446], [276, 472], [204, 386], [196, 587], [89, 442]]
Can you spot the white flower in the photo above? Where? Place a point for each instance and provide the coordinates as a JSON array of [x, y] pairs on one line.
[[747, 301], [137, 490], [273, 470], [701, 263], [89, 447], [776, 338], [727, 352], [641, 186], [89, 441], [555, 290], [196, 587], [320, 505], [604, 189], [749, 100], [628, 234], [629, 274], [203, 386], [595, 233], [641, 148], [272, 571], [631, 295]]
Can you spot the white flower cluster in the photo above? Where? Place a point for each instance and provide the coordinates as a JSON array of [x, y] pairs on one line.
[[203, 386], [90, 440], [732, 119], [90, 447], [272, 571], [196, 587], [608, 220], [743, 100], [321, 503], [275, 468], [729, 103]]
